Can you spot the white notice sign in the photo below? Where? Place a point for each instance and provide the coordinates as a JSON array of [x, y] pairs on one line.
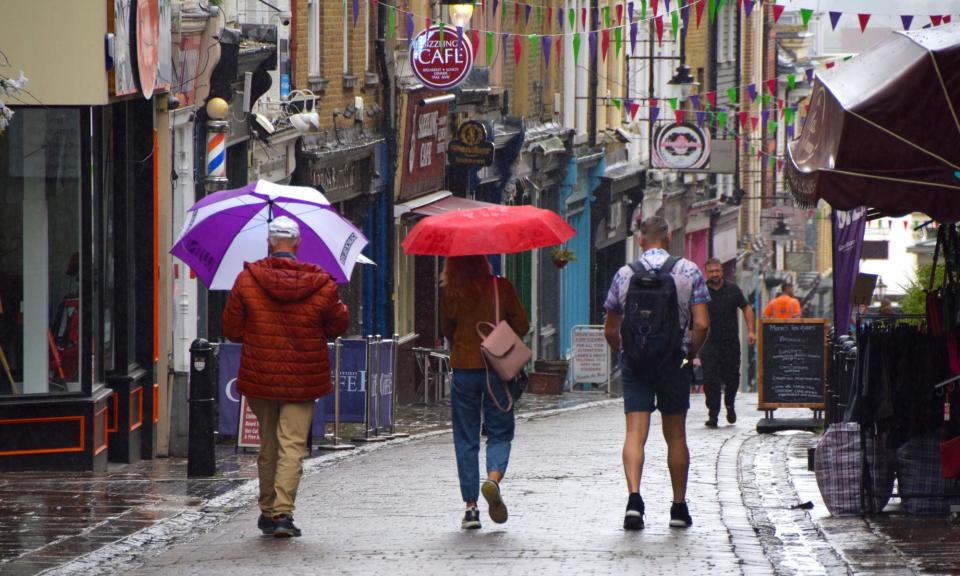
[[591, 356]]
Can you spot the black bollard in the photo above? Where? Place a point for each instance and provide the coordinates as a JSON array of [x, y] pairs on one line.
[[200, 449]]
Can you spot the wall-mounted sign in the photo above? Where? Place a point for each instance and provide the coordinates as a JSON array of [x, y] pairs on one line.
[[681, 147], [441, 59], [165, 49], [425, 140], [148, 44], [124, 82], [470, 147]]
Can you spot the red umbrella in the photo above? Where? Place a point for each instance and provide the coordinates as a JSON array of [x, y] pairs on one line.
[[488, 230]]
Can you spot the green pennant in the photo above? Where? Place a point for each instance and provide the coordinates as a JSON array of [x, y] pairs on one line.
[[442, 28], [618, 38], [805, 14], [753, 151], [489, 48], [616, 102], [791, 81], [643, 9], [606, 16], [719, 5], [722, 119], [533, 47], [391, 21], [732, 95], [572, 16], [576, 46], [773, 162], [675, 23], [789, 115], [712, 10], [845, 58], [766, 100], [674, 102], [772, 127]]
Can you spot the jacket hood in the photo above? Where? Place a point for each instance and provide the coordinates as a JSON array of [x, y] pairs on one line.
[[287, 279]]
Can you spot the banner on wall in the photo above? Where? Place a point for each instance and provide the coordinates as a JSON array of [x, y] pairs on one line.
[[848, 227]]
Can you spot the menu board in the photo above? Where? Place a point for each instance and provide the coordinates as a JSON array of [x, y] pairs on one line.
[[793, 369]]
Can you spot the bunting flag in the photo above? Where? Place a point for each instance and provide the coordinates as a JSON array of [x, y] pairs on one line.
[[616, 103], [526, 14], [489, 48], [459, 35], [678, 116], [700, 6], [503, 46], [754, 122], [772, 127], [685, 18], [475, 39], [765, 116], [674, 24], [805, 14], [748, 7], [495, 4], [634, 108], [700, 116], [674, 103], [654, 4], [744, 119], [643, 9], [864, 18], [517, 49], [559, 53], [539, 15], [409, 26], [666, 5], [606, 16], [583, 18], [791, 81], [712, 10], [633, 37], [712, 99], [573, 19], [722, 119], [789, 114], [576, 47], [604, 44], [834, 18], [654, 113], [732, 95], [356, 12], [766, 100], [533, 47], [936, 20], [618, 39], [772, 85], [695, 101], [809, 72], [658, 22], [777, 12], [830, 64], [780, 168], [946, 18], [391, 22], [630, 11], [516, 14], [560, 18], [752, 91], [654, 102], [550, 15], [619, 14], [546, 50]]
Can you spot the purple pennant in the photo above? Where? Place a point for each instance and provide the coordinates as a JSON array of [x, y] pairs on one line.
[[495, 4], [356, 11], [790, 132], [410, 26], [633, 37], [503, 45], [746, 146], [459, 35], [526, 14], [560, 18], [752, 91], [834, 18], [700, 116], [545, 40], [654, 112], [810, 74], [666, 6], [907, 21], [685, 16], [630, 11], [695, 101], [764, 116], [593, 46], [748, 7]]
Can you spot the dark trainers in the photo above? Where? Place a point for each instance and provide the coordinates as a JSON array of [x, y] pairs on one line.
[[266, 525], [731, 415], [495, 506], [711, 422], [680, 516], [471, 519], [633, 519], [284, 527]]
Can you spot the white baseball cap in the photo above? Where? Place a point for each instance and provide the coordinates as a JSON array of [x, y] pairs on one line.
[[283, 227]]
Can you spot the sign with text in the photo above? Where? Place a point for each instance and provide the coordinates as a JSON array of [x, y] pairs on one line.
[[353, 382], [441, 57], [388, 349], [422, 167], [248, 435], [793, 363], [470, 147], [590, 355]]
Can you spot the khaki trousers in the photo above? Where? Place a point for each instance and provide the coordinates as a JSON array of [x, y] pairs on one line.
[[284, 427]]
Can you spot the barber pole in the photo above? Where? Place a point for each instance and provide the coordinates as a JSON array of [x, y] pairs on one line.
[[216, 155]]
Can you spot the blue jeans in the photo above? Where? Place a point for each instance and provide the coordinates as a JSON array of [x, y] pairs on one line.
[[468, 397]]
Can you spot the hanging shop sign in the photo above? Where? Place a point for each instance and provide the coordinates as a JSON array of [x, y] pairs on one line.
[[681, 147], [123, 80], [148, 44], [470, 147], [425, 140], [440, 57]]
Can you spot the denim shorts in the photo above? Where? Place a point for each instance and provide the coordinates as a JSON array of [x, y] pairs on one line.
[[666, 389]]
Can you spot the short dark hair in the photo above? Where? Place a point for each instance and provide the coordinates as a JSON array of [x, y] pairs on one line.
[[786, 285], [654, 227], [713, 261]]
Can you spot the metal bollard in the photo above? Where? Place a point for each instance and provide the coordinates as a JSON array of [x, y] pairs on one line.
[[371, 393], [201, 454], [336, 445], [393, 394]]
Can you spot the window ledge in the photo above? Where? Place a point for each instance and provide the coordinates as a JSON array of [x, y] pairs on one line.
[[349, 81], [318, 83]]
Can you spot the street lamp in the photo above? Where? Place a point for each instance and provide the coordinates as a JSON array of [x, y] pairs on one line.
[[460, 12], [682, 82]]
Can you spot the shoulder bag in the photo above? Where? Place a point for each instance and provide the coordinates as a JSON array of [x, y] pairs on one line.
[[505, 352]]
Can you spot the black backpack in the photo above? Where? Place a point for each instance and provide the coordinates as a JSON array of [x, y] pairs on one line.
[[650, 332]]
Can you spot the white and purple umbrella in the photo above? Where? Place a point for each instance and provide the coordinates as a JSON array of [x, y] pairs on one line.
[[228, 228]]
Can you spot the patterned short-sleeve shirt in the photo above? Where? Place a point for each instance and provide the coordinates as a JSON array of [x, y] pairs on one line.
[[691, 287]]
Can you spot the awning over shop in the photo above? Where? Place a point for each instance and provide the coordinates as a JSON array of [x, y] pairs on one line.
[[623, 176], [436, 204]]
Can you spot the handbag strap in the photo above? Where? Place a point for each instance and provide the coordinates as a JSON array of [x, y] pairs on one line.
[[936, 256], [496, 300], [496, 307]]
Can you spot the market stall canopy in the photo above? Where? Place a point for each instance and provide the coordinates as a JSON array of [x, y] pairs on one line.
[[883, 129]]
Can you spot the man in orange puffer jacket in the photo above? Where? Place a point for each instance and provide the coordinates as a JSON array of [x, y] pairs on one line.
[[283, 311]]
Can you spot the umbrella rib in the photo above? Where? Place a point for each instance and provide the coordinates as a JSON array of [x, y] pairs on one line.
[[946, 93], [905, 141], [891, 179]]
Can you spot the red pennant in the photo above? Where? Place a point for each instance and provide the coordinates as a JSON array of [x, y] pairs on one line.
[[635, 107], [946, 19], [678, 114], [583, 18], [658, 21], [744, 118], [475, 39], [559, 51], [550, 15], [653, 102], [772, 85], [428, 23], [700, 6], [864, 18], [759, 154], [516, 13], [779, 165], [604, 43], [754, 122], [619, 13], [936, 20], [777, 12], [517, 49], [780, 104], [712, 99], [655, 4], [831, 64]]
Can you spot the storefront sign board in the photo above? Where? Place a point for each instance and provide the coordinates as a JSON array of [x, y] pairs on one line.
[[441, 58], [681, 147], [470, 147], [590, 355], [792, 368]]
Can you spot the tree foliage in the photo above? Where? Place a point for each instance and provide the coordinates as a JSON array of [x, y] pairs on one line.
[[915, 298]]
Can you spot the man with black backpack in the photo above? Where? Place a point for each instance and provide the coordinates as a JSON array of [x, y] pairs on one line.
[[656, 319]]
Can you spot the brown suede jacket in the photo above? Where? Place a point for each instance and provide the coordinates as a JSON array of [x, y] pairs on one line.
[[459, 317]]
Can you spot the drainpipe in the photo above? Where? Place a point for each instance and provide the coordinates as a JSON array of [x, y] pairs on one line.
[[385, 63], [594, 76]]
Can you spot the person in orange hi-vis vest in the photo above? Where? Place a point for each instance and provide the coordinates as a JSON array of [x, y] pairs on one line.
[[783, 306]]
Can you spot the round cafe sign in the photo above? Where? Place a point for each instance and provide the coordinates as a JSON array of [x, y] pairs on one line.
[[681, 147], [441, 60]]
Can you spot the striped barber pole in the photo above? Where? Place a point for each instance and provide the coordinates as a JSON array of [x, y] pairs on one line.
[[216, 154]]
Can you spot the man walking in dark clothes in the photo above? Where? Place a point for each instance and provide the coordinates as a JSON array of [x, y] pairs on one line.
[[720, 355]]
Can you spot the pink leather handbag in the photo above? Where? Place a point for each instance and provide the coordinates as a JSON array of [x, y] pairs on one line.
[[502, 349]]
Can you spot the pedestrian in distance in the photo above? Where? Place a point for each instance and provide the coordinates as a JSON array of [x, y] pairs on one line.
[[720, 355], [468, 298], [784, 306], [650, 307], [283, 311]]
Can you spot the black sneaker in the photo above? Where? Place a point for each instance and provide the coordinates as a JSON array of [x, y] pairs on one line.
[[266, 525], [284, 527], [471, 519], [633, 519], [680, 516], [711, 422], [731, 415], [495, 506]]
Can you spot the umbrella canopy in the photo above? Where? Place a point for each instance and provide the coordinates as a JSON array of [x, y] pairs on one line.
[[488, 230], [228, 228], [883, 129]]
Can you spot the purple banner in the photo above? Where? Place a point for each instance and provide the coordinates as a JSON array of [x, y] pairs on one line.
[[848, 227], [388, 348], [353, 382]]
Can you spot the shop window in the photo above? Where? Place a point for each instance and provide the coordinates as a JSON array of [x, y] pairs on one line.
[[313, 39], [40, 192], [404, 295]]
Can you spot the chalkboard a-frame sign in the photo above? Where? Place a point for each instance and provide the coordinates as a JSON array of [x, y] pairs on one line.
[[792, 363]]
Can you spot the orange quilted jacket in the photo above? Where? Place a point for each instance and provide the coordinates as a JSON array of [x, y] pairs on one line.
[[283, 311]]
